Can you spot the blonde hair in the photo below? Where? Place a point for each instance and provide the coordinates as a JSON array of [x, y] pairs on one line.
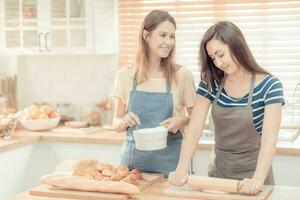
[[150, 23]]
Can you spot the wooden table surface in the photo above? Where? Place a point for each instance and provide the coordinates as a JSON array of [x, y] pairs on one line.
[[155, 193]]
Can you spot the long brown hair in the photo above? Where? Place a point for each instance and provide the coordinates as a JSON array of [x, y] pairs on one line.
[[150, 23], [229, 34]]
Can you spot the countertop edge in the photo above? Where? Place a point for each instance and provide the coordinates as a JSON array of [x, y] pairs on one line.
[[109, 137]]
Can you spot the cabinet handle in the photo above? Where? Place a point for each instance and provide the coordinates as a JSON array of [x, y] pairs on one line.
[[40, 49], [46, 39]]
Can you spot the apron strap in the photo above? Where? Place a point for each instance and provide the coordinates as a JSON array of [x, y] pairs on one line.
[[168, 84], [134, 81], [250, 92], [220, 89], [251, 89]]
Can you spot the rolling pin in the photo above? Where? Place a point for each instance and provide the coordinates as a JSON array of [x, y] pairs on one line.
[[209, 183]]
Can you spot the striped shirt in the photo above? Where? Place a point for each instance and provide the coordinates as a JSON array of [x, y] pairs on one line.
[[268, 91]]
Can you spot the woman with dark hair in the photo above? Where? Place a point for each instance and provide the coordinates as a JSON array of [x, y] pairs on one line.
[[154, 92], [246, 109]]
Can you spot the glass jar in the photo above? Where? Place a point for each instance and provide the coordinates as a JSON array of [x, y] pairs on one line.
[[3, 105], [91, 114], [65, 110], [8, 125]]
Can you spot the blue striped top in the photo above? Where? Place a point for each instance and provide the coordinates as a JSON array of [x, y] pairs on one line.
[[268, 91]]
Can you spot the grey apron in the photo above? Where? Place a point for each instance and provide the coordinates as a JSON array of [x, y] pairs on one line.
[[152, 108], [237, 142]]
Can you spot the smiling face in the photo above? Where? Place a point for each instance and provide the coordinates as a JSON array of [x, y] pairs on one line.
[[220, 54], [161, 40]]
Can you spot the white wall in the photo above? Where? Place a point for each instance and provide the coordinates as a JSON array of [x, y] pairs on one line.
[[8, 64], [2, 37], [79, 80]]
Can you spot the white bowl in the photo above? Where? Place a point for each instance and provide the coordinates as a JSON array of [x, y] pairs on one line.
[[40, 124], [150, 139]]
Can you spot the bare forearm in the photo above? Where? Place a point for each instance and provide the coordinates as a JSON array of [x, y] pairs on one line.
[[193, 133], [267, 152], [119, 124], [185, 121], [120, 110], [188, 148], [265, 159]]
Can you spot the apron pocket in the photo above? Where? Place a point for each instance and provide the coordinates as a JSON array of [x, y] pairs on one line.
[[236, 163]]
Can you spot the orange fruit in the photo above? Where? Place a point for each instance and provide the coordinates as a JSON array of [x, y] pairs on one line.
[[46, 109], [35, 114], [43, 116], [54, 114]]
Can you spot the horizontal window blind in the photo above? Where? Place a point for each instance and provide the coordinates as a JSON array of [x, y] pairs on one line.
[[271, 27]]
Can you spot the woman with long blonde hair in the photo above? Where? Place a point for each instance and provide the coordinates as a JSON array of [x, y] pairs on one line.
[[156, 91]]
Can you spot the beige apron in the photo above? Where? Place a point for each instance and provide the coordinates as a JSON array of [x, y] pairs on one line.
[[237, 142]]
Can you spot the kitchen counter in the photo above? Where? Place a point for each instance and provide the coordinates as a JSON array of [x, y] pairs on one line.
[[104, 136], [155, 192], [26, 150], [22, 137]]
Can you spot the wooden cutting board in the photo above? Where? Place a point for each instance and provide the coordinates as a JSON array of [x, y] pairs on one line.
[[194, 193], [48, 191]]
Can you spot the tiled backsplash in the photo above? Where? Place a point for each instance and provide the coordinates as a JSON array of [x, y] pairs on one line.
[[79, 80], [8, 65]]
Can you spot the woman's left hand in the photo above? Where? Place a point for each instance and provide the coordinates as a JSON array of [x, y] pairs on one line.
[[173, 124], [250, 186]]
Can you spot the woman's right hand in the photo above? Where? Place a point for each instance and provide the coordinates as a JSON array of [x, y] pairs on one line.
[[131, 119], [178, 178]]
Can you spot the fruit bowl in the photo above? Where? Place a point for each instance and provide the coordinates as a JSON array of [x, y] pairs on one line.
[[40, 124]]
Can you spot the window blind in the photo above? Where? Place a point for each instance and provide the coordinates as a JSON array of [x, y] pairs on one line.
[[271, 28]]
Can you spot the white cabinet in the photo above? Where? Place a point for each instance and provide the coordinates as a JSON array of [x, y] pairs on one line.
[[18, 28], [105, 25], [285, 167], [25, 165], [14, 168], [47, 26]]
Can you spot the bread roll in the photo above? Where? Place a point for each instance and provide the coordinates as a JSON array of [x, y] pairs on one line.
[[100, 167], [133, 177], [108, 172], [127, 180], [116, 177], [138, 173], [123, 170]]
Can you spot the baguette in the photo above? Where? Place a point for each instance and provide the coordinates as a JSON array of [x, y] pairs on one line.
[[84, 184]]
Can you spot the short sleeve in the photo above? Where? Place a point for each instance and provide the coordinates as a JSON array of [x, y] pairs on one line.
[[203, 91], [275, 92], [189, 90], [119, 89]]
